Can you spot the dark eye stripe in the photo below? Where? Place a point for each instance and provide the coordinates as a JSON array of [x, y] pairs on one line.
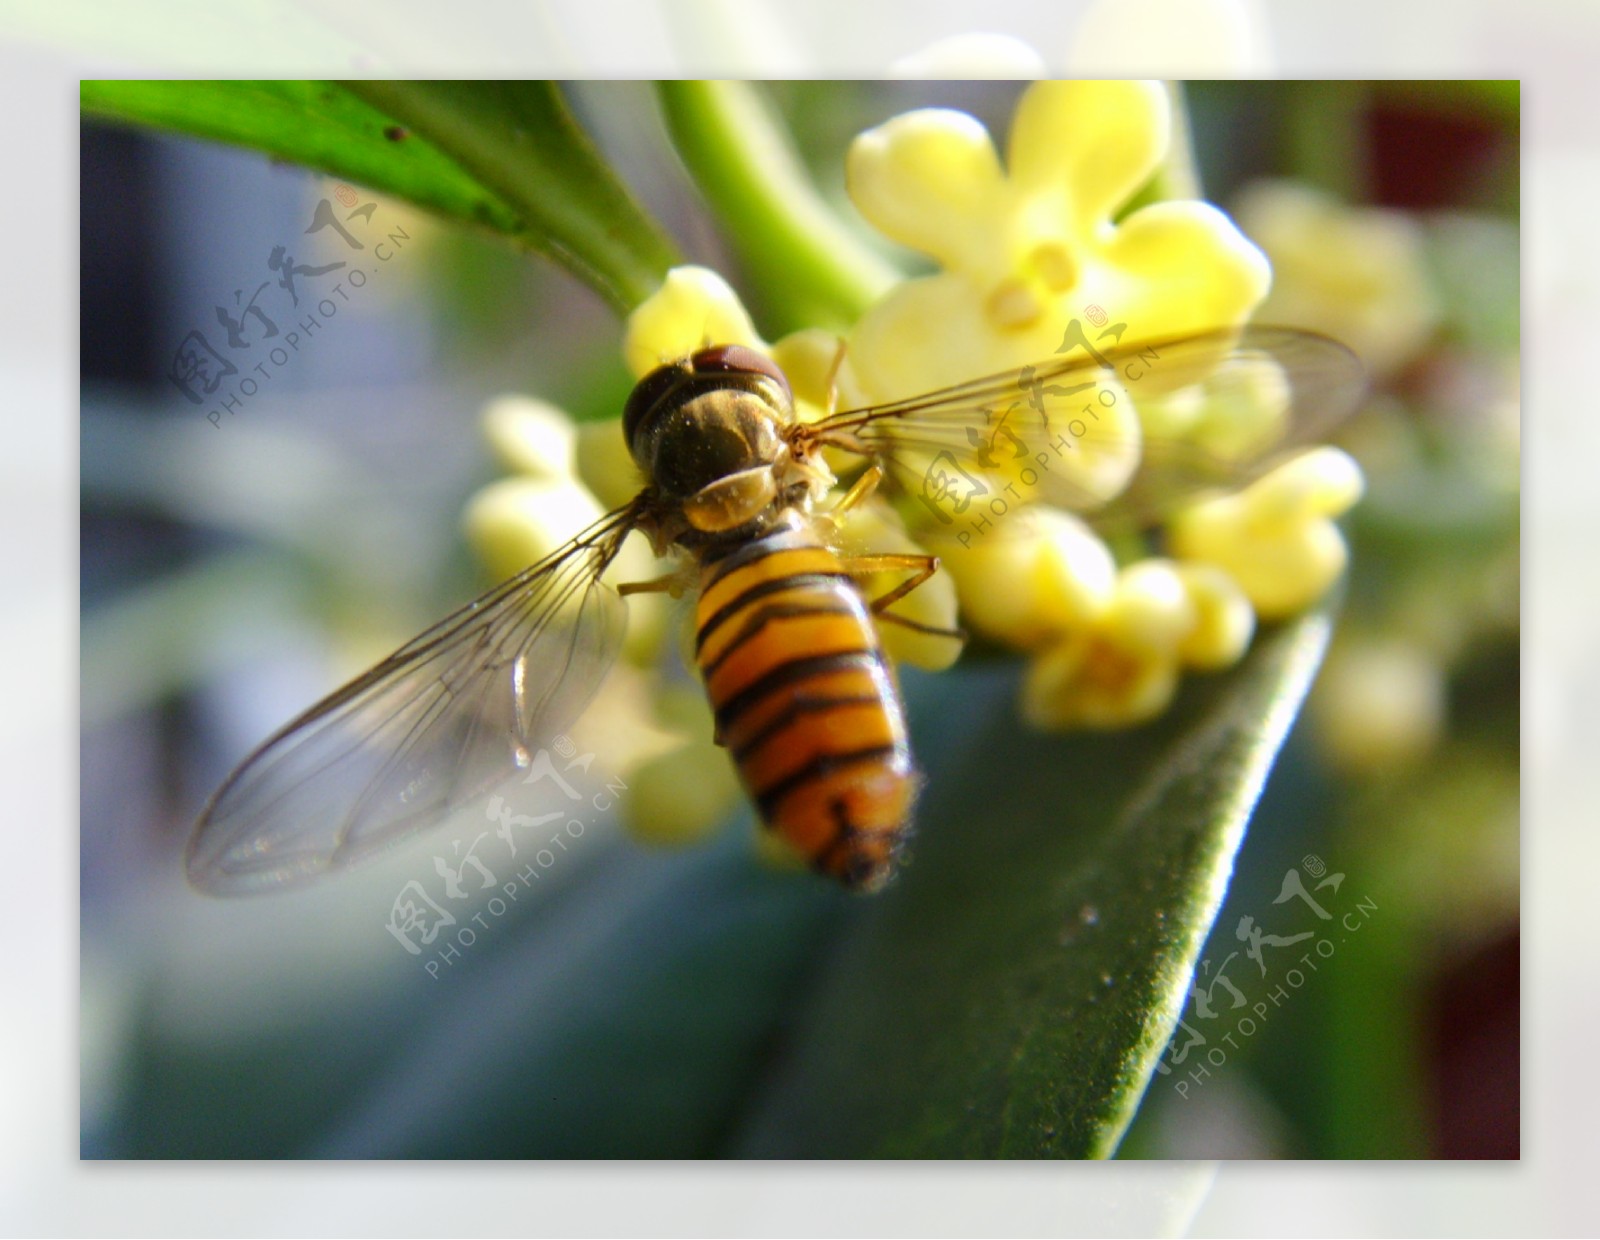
[[736, 358], [647, 393]]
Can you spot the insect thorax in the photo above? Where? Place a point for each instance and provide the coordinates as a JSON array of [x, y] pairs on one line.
[[709, 437]]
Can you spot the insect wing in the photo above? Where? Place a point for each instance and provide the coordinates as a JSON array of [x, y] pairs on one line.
[[447, 717], [1126, 430]]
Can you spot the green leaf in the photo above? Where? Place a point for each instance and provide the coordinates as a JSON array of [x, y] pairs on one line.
[[693, 1004], [506, 156], [1011, 996], [628, 1019], [811, 268], [519, 140]]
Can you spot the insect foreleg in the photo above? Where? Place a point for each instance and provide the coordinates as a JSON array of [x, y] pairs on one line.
[[860, 491]]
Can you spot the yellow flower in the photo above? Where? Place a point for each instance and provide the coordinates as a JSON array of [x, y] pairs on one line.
[[677, 797], [693, 308], [1354, 273], [1121, 667], [1276, 538], [1023, 250], [1032, 583], [1027, 247], [1379, 703], [517, 521]]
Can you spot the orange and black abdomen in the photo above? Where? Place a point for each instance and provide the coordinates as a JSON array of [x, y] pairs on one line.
[[806, 703]]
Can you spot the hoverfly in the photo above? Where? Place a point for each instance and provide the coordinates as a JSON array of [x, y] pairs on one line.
[[785, 640]]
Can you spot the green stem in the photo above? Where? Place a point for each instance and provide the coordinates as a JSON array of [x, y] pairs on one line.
[[813, 269], [1178, 178]]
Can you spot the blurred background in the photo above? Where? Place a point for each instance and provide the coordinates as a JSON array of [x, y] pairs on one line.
[[232, 574]]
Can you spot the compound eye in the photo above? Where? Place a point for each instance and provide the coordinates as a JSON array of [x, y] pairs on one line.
[[646, 395], [738, 359]]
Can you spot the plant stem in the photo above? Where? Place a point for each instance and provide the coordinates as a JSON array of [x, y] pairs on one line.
[[1179, 174], [811, 267]]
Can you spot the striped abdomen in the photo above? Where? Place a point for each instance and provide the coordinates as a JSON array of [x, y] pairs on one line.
[[806, 703]]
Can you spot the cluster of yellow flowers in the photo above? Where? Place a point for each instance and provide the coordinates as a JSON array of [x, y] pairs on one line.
[[1359, 274], [1022, 247]]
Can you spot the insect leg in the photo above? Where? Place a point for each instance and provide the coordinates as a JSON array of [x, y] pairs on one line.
[[860, 491], [923, 566], [674, 583]]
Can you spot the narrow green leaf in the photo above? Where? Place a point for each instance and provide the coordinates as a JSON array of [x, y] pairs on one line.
[[503, 156], [1011, 996], [811, 267], [625, 1018], [639, 1013], [519, 140], [318, 124]]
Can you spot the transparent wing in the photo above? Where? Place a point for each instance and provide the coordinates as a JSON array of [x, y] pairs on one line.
[[1125, 430], [447, 717]]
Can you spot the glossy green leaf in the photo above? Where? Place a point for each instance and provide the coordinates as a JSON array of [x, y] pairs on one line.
[[1011, 996], [506, 156], [628, 1019], [695, 1004]]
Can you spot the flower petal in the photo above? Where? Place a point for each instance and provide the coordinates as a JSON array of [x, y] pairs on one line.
[[1151, 611], [1224, 620], [1276, 538], [693, 308], [1095, 143], [1359, 274], [532, 436], [1031, 585], [931, 180], [1090, 681], [809, 358], [1182, 267], [927, 334]]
